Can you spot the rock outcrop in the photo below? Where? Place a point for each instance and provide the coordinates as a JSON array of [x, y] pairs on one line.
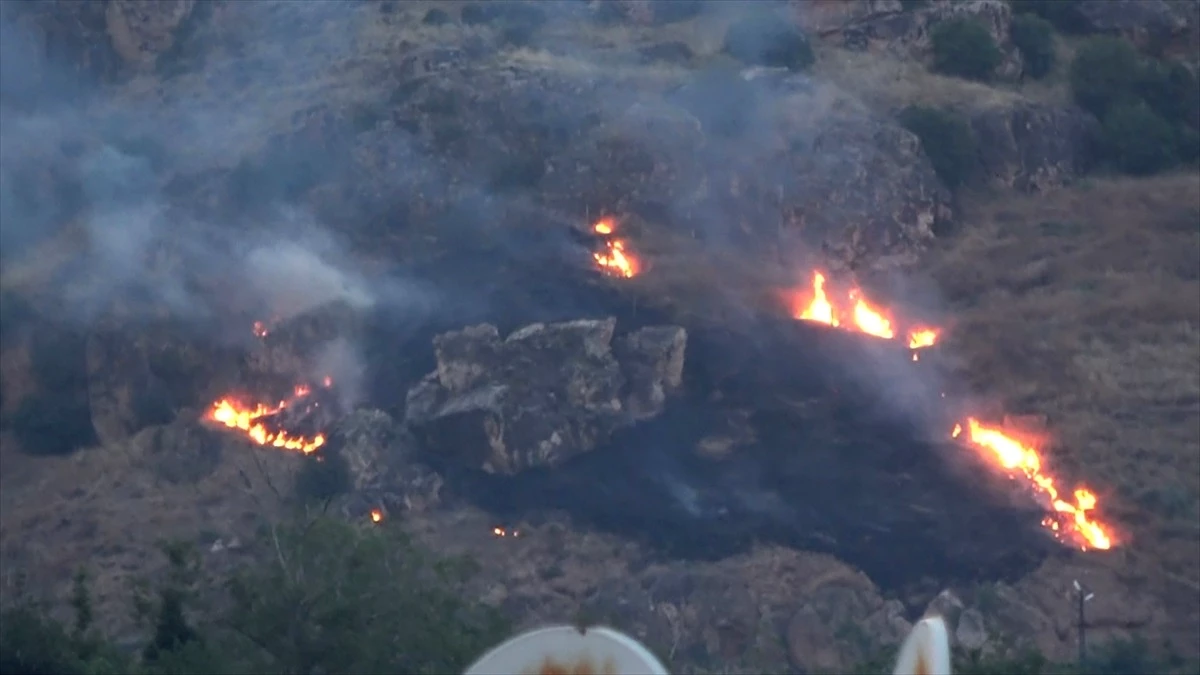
[[888, 26], [383, 467], [1171, 26], [1032, 147], [544, 394]]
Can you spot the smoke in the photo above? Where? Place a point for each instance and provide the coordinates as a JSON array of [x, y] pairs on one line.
[[191, 187]]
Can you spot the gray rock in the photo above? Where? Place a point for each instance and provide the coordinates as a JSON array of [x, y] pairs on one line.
[[1149, 24], [1033, 147], [383, 467], [971, 633], [652, 361], [544, 394]]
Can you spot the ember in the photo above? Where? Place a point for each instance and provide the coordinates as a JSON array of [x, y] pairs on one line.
[[615, 259], [1070, 520], [858, 315], [253, 419], [376, 516], [503, 532]]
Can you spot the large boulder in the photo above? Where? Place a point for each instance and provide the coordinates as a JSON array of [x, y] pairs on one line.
[[544, 394], [1158, 25], [1033, 147], [382, 462]]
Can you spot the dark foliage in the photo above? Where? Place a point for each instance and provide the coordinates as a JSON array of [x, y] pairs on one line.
[[1106, 71], [323, 476], [964, 48], [1062, 14], [948, 141], [1034, 37]]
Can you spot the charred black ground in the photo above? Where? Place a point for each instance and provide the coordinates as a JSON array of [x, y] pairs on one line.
[[833, 463]]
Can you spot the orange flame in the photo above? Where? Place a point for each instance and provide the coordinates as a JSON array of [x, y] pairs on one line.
[[376, 516], [860, 316], [502, 532], [260, 329], [249, 419], [1070, 520], [615, 260]]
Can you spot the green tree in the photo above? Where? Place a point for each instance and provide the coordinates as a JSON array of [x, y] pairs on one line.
[[964, 48], [1034, 37], [1172, 91], [1105, 72], [948, 141], [1062, 14], [341, 598], [1138, 141], [322, 476]]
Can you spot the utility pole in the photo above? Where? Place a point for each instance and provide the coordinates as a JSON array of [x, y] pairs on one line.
[[1082, 595]]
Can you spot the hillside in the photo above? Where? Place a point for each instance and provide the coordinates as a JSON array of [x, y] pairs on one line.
[[206, 201]]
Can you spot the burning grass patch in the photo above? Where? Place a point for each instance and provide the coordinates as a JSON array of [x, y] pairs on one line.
[[1084, 305]]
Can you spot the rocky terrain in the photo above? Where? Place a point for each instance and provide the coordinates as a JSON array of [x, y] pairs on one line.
[[536, 271]]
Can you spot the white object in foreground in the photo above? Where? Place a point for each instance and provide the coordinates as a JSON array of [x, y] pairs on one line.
[[564, 650], [568, 650], [926, 650]]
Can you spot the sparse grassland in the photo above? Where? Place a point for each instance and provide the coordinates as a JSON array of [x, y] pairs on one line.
[[1084, 305]]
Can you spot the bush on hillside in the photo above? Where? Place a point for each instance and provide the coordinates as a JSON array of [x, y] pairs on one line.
[[1034, 37], [948, 141], [1171, 90], [1138, 141], [767, 39], [1106, 71], [1062, 14], [964, 48], [322, 476]]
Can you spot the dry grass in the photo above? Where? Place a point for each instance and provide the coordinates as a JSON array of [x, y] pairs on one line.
[[106, 511], [1084, 305]]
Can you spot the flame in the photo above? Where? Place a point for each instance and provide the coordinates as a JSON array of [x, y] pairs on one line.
[[1071, 520], [234, 414], [376, 516], [614, 259], [502, 532], [859, 315], [260, 329]]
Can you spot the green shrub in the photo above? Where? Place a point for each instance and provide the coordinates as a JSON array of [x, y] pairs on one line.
[[1062, 14], [1106, 71], [1138, 141], [964, 48], [767, 39], [947, 139], [1034, 37], [322, 476], [1171, 90]]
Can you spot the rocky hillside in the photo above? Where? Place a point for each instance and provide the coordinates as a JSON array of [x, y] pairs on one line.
[[549, 268]]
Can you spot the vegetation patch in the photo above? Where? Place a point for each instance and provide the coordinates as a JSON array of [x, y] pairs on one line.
[[1150, 109], [964, 48], [1033, 36], [948, 141]]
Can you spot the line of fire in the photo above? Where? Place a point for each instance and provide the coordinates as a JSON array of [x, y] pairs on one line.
[[1069, 514]]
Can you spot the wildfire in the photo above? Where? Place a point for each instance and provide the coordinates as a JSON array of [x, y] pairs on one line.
[[260, 329], [858, 314], [1071, 520], [615, 259], [376, 516], [503, 532], [250, 419]]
